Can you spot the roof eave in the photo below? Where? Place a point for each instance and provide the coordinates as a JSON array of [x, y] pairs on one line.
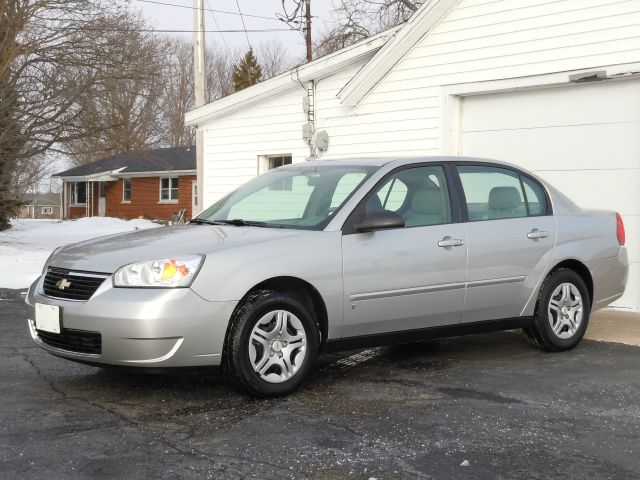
[[419, 25], [315, 70]]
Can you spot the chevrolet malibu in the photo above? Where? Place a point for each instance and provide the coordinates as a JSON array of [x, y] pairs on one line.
[[322, 256]]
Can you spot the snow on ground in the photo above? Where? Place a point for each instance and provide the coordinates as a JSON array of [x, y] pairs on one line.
[[25, 247]]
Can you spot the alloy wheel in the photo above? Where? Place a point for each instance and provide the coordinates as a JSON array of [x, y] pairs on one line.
[[565, 310], [277, 346]]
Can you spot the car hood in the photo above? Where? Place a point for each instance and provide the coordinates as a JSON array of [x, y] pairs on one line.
[[107, 254]]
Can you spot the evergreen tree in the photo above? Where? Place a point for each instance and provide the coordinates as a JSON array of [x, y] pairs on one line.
[[247, 72]]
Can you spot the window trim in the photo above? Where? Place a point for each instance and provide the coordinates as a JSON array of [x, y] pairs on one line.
[[348, 227], [74, 198], [124, 182], [463, 199], [49, 211], [169, 200]]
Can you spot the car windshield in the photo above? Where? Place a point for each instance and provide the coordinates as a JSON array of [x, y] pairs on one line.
[[293, 197]]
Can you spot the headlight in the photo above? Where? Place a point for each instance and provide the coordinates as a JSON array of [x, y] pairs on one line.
[[162, 273]]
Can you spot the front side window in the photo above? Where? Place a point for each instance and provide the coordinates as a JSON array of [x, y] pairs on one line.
[[492, 193], [316, 194], [79, 193], [418, 194], [126, 190], [47, 210], [169, 189]]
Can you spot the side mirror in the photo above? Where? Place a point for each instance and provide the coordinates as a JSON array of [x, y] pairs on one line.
[[379, 220]]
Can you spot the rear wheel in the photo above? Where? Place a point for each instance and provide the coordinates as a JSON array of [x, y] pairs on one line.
[[562, 312], [271, 345]]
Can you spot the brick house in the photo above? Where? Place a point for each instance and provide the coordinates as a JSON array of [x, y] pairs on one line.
[[40, 206], [154, 184]]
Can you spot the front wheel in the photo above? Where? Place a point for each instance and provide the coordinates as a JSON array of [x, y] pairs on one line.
[[562, 312], [271, 345]]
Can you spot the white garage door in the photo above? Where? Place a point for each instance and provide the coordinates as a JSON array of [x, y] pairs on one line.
[[584, 139]]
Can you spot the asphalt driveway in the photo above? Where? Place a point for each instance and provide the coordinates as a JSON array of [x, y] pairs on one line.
[[414, 411]]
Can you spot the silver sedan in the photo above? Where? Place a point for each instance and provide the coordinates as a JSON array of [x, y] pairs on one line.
[[321, 256]]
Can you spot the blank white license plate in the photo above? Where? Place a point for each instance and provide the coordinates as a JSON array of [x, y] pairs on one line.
[[48, 318]]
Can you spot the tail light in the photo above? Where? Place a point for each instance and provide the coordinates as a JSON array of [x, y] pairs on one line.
[[620, 229]]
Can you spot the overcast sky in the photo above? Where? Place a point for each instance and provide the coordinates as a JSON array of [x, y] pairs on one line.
[[165, 17]]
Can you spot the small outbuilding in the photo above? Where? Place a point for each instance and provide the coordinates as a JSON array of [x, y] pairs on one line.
[[40, 206], [551, 86], [155, 184]]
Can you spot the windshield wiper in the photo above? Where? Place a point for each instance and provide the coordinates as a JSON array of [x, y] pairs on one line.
[[238, 222], [242, 223], [200, 221]]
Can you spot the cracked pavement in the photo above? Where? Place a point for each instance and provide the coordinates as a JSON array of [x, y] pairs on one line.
[[402, 412]]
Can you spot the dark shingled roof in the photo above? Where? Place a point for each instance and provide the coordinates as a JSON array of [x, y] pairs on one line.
[[42, 199], [161, 159]]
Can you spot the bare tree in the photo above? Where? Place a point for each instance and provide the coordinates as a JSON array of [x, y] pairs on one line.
[[219, 64], [355, 20], [30, 173], [40, 42], [274, 58], [123, 111], [178, 96]]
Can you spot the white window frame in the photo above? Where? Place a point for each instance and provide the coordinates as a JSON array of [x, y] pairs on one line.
[[265, 163], [47, 210], [124, 189], [74, 194], [170, 189]]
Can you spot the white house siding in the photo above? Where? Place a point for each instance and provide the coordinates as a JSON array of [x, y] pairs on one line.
[[479, 41], [233, 143]]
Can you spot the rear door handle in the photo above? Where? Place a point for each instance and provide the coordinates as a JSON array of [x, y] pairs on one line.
[[450, 242], [535, 234]]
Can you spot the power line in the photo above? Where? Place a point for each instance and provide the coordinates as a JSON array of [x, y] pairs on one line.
[[226, 12], [153, 30], [243, 25], [215, 21]]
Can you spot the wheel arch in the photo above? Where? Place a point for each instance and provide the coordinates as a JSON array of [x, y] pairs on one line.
[[308, 294], [581, 269]]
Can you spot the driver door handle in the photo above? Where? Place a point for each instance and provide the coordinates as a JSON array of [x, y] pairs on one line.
[[450, 242]]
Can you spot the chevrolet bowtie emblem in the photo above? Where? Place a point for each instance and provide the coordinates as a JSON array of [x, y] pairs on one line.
[[62, 284]]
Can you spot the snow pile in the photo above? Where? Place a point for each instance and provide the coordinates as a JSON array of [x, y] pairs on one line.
[[25, 247]]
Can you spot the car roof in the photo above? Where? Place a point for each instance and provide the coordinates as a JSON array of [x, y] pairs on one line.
[[382, 161]]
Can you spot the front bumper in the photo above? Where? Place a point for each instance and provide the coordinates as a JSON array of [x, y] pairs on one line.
[[141, 327]]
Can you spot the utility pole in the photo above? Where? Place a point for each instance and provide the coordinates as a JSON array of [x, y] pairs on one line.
[[198, 51], [307, 15], [200, 99]]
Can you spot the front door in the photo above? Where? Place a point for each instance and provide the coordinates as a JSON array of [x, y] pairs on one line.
[[405, 278], [102, 203], [511, 236]]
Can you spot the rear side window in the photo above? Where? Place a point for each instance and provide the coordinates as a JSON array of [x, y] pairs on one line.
[[536, 199], [492, 193]]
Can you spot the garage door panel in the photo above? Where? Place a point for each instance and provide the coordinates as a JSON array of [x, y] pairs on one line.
[[583, 139], [606, 189], [566, 147], [612, 102]]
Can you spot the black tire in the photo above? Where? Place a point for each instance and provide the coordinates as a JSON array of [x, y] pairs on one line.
[[236, 361], [541, 333]]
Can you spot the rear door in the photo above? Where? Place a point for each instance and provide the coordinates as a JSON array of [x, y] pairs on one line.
[[405, 278], [511, 234]]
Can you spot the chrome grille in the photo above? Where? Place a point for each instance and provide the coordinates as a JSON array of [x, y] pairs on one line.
[[69, 285]]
